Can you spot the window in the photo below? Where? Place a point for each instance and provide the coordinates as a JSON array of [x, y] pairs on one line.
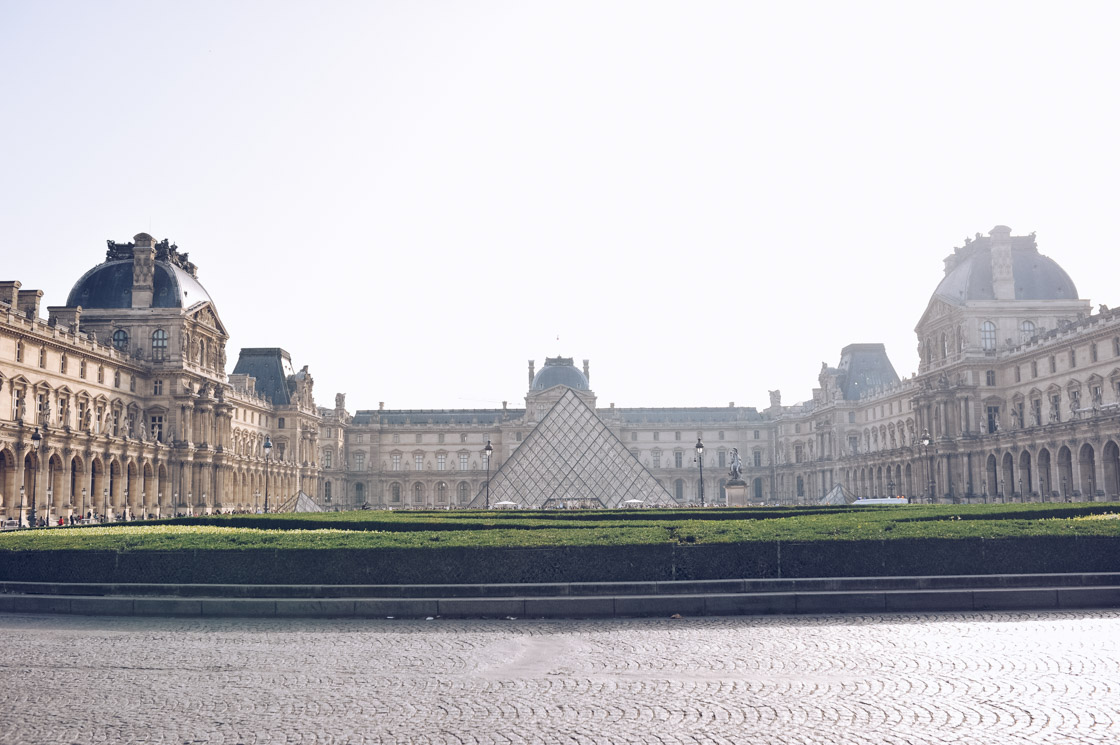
[[419, 439], [1034, 368], [159, 345], [418, 459], [1036, 412], [327, 459], [1018, 374], [1053, 364], [116, 378], [43, 357], [396, 438], [1093, 352], [799, 454], [100, 373], [656, 436], [722, 459], [677, 436], [441, 491], [678, 489], [116, 423], [1073, 358], [518, 437], [990, 377], [19, 351], [1056, 407], [464, 492], [157, 387], [851, 417], [993, 419], [155, 426], [1026, 332], [463, 437], [678, 459], [280, 424], [633, 437], [797, 428], [757, 458], [120, 339], [988, 336], [395, 492], [359, 461], [396, 461], [62, 364], [361, 439], [441, 462], [327, 491], [721, 435], [132, 383], [656, 458], [756, 433], [1116, 347], [417, 494], [440, 438], [463, 461]]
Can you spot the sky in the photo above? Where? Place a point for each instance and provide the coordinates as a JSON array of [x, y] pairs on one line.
[[707, 200]]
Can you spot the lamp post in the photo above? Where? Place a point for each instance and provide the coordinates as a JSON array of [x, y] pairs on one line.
[[1021, 490], [20, 515], [50, 501], [36, 440], [890, 487], [700, 460], [1002, 491], [83, 503], [256, 501], [159, 505], [124, 511], [486, 453], [104, 505], [1063, 487], [267, 454], [926, 441]]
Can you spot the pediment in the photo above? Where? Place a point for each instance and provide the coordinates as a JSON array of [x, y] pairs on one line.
[[205, 315], [936, 309]]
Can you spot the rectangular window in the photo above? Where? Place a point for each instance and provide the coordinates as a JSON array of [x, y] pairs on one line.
[[851, 417], [993, 419], [155, 426], [990, 377], [43, 358], [799, 453], [722, 459], [758, 459], [441, 462], [1056, 407], [1036, 412], [419, 461], [1092, 352], [132, 383], [656, 436], [1018, 374], [157, 387], [396, 461], [657, 459], [721, 435], [1034, 368], [116, 378], [678, 459], [419, 439], [327, 459], [633, 437], [359, 461], [463, 461], [396, 438], [100, 374], [1073, 358], [440, 438], [676, 435], [756, 434], [82, 369], [1053, 364]]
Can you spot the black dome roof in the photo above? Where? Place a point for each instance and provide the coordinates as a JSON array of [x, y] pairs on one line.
[[559, 371], [1037, 277], [109, 285]]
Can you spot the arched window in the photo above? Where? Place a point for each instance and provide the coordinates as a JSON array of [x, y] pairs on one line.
[[988, 336], [120, 339], [395, 492], [944, 347], [327, 491], [159, 345], [417, 493], [464, 492], [441, 491], [678, 489], [1026, 331]]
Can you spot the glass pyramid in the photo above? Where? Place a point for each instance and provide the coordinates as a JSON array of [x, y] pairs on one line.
[[571, 459]]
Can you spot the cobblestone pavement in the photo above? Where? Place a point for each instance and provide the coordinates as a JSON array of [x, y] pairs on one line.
[[1049, 677]]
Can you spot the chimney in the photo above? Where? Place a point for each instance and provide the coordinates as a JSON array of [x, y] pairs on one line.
[[1003, 279], [587, 371], [505, 404], [143, 267], [532, 368], [381, 406], [68, 318], [9, 293], [28, 302]]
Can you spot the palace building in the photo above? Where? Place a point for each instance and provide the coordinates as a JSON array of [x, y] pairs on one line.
[[118, 403]]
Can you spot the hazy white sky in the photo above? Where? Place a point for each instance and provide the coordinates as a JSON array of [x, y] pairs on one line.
[[414, 198]]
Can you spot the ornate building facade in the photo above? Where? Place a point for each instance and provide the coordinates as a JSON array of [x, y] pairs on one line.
[[118, 403]]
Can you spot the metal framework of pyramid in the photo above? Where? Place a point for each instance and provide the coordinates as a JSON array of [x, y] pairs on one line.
[[572, 459]]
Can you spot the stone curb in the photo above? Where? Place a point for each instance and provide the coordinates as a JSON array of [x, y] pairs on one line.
[[577, 606]]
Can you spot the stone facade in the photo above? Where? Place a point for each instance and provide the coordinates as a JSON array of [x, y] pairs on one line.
[[129, 397], [1017, 396]]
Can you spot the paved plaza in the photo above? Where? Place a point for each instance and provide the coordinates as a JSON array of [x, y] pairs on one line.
[[1022, 677]]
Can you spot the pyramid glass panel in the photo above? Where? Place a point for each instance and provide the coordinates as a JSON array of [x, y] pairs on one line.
[[573, 459]]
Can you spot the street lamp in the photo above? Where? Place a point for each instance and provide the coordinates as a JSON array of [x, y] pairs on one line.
[[700, 460], [20, 515], [159, 505], [486, 453], [1002, 491], [1021, 490], [890, 487], [256, 500], [1063, 487], [926, 442], [83, 503], [267, 453], [104, 505], [36, 440]]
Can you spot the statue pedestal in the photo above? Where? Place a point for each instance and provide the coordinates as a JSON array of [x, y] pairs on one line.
[[736, 493]]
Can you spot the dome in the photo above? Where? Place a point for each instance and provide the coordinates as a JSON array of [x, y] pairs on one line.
[[109, 285], [559, 371], [1036, 277]]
